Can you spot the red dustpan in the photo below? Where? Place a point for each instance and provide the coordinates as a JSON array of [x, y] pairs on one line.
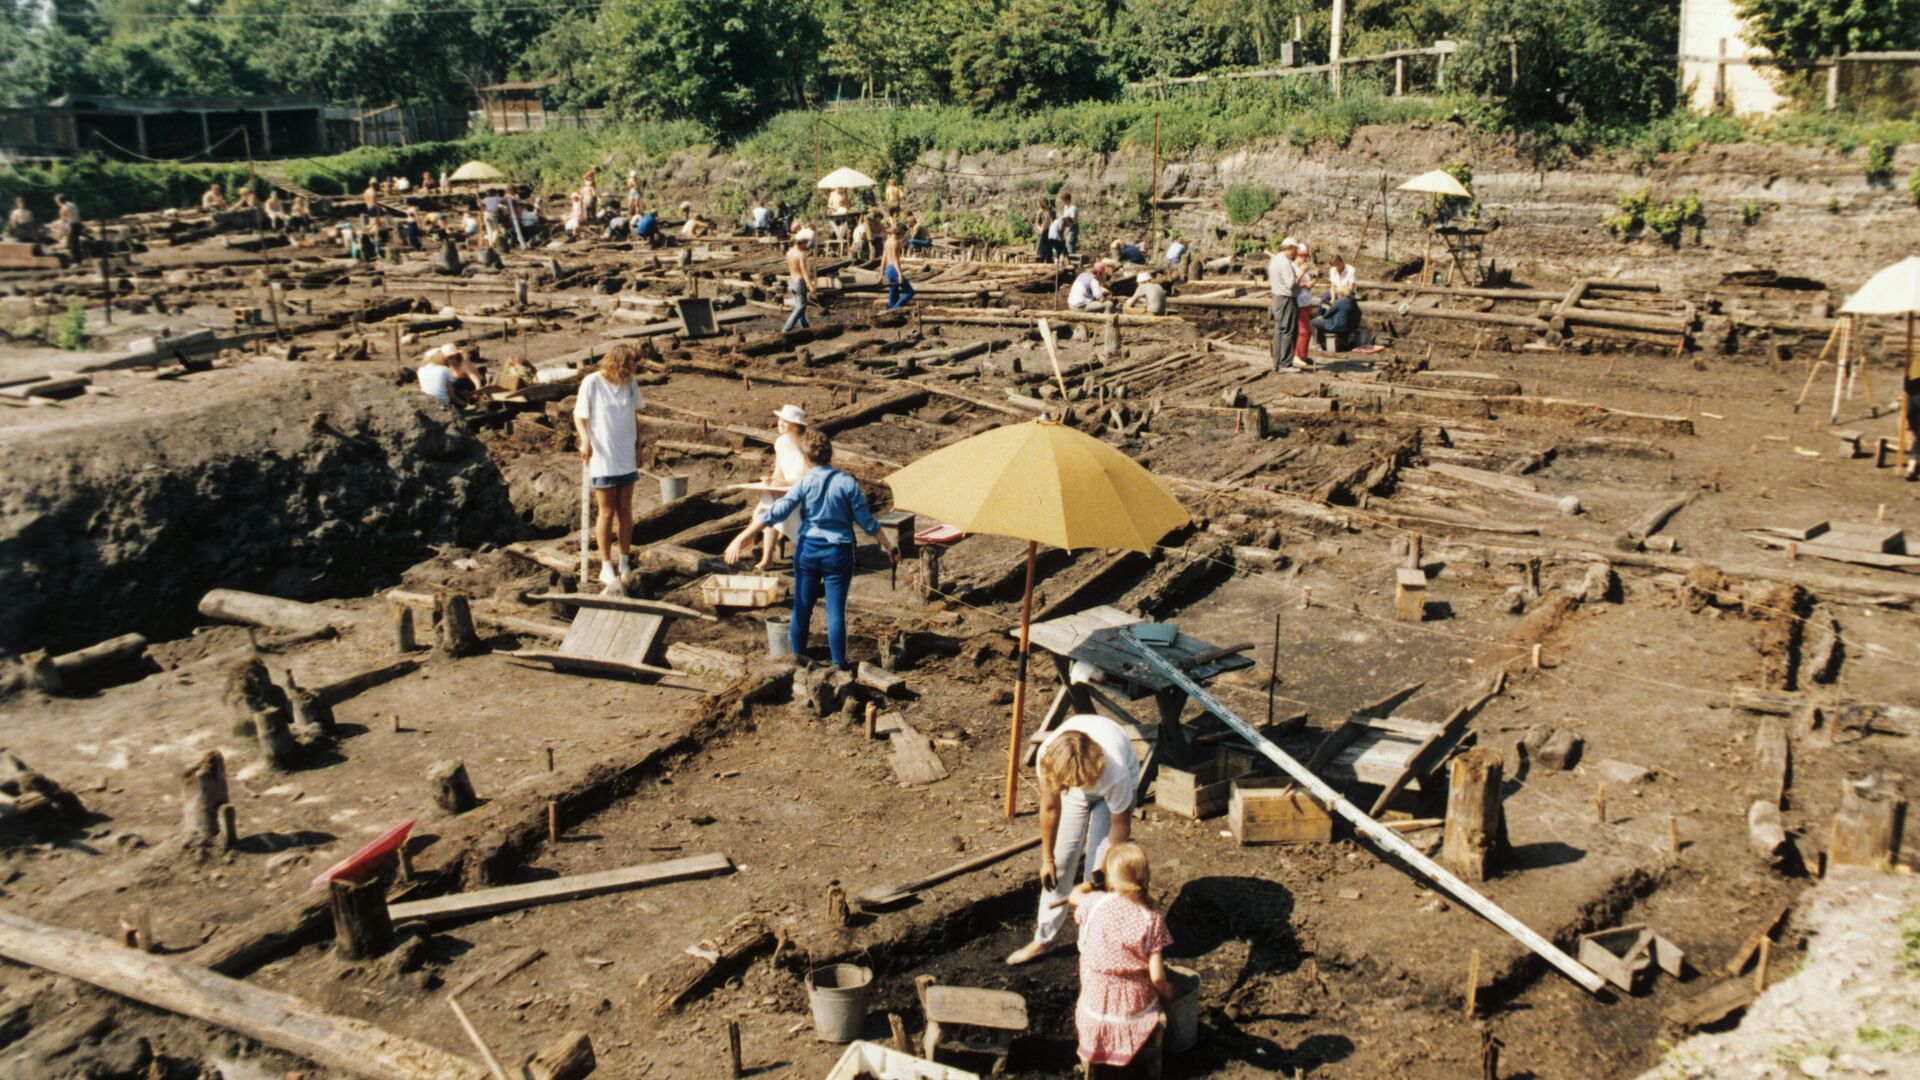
[[380, 847]]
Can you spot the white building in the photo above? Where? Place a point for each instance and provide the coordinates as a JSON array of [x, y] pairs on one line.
[[1710, 29]]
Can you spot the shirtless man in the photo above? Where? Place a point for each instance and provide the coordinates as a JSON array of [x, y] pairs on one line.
[[799, 278]]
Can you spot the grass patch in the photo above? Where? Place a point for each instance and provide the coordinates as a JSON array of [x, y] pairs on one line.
[[70, 329], [1891, 1040], [1638, 213], [1910, 942], [1248, 203]]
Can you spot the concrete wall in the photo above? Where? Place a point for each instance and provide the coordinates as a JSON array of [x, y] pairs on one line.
[[1703, 25]]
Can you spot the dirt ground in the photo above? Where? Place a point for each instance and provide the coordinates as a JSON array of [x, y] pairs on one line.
[[1318, 959]]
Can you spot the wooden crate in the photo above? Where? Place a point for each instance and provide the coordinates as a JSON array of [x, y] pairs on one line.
[[1261, 810], [1201, 792]]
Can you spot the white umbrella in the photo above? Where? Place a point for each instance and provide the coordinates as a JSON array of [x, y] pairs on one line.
[[1893, 291], [1437, 182], [844, 178], [476, 172]]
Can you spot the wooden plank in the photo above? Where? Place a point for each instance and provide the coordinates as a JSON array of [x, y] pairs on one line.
[[914, 759], [573, 887], [281, 1021], [1772, 759], [1436, 747], [620, 603], [598, 666], [1001, 1010]]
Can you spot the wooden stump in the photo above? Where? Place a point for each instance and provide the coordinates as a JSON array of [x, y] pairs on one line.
[[403, 637], [838, 913], [568, 1058], [452, 791], [1476, 834], [930, 573], [250, 690], [311, 713], [205, 793], [1866, 828], [362, 928], [453, 632], [277, 743], [1765, 833]]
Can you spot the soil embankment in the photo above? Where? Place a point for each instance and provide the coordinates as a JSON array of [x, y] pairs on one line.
[[302, 487]]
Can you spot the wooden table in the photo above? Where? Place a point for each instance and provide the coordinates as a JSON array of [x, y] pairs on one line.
[[1092, 636]]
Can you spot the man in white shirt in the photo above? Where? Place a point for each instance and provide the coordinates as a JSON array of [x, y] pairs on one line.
[[1284, 278], [1089, 776], [1089, 292]]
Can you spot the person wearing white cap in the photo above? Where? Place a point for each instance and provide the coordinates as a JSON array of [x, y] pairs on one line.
[[799, 279], [789, 466], [1148, 293], [1284, 278]]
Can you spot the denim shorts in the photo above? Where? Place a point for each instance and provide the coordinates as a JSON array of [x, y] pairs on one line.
[[615, 481]]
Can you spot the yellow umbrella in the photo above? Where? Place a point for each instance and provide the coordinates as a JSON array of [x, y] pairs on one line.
[[476, 172], [1043, 483], [1437, 182], [844, 178]]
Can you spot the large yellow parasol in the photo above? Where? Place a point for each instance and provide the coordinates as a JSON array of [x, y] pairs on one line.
[[1437, 182], [476, 172], [844, 178], [1044, 483]]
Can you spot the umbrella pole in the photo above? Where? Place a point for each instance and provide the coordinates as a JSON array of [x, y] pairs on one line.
[[1901, 444], [1018, 736]]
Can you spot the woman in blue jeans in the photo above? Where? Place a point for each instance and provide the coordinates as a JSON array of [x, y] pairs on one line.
[[830, 504]]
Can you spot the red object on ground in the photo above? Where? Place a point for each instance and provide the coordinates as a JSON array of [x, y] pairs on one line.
[[938, 534], [380, 847]]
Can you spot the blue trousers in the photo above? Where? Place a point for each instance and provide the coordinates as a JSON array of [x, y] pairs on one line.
[[797, 293], [821, 568], [899, 289]]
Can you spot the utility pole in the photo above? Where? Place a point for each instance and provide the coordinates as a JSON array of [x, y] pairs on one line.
[[1153, 199], [1333, 48]]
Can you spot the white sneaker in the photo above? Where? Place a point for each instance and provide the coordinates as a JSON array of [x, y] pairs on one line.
[[607, 576], [624, 567]]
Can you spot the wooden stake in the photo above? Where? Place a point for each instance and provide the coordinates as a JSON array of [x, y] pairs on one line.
[[1473, 983], [899, 1027], [1600, 804], [205, 794], [549, 759], [1673, 838], [1536, 656], [230, 826], [473, 1036], [733, 1050], [838, 912], [403, 637], [1866, 827], [1273, 675], [362, 928], [1306, 597], [1476, 832], [553, 821], [873, 720], [1760, 970]]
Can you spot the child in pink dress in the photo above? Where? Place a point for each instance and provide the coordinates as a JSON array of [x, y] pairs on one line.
[[1123, 978]]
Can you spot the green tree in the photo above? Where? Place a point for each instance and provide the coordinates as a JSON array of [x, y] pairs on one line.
[[1036, 53], [728, 64], [1591, 61], [1812, 29], [897, 46], [1149, 38]]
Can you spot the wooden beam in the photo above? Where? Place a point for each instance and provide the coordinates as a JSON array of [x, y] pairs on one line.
[[271, 1018], [618, 603], [573, 887]]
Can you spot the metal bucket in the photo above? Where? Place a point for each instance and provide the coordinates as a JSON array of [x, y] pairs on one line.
[[779, 637], [1183, 1012], [673, 488], [838, 994]]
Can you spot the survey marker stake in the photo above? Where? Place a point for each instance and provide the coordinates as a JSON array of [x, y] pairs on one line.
[[1384, 837]]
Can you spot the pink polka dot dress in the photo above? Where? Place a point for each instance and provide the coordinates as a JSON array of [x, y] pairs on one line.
[[1118, 1008]]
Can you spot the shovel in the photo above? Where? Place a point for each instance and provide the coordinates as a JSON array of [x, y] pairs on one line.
[[887, 895]]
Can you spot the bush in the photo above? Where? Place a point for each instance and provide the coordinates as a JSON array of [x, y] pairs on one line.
[[1913, 187], [1878, 166], [70, 329], [1749, 212], [1248, 203], [1668, 220]]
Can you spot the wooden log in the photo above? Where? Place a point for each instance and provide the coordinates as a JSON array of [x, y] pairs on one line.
[[109, 653], [204, 793], [333, 693], [404, 641], [703, 660], [362, 929], [311, 713], [271, 612], [278, 1020], [692, 973], [1772, 759], [885, 682], [452, 791], [1765, 834], [478, 902], [570, 1057], [453, 632], [1476, 835], [1866, 827], [850, 416], [1651, 522]]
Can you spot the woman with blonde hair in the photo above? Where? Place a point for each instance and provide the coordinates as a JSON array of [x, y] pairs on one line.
[[1089, 777], [1123, 971], [604, 415]]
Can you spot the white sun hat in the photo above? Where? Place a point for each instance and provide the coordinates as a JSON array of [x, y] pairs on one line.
[[792, 414]]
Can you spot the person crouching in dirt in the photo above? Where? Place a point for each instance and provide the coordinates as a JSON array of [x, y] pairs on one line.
[[1913, 418], [1089, 775], [604, 415], [830, 504]]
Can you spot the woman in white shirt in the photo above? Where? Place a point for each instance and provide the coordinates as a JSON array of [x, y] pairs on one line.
[[604, 415], [789, 466], [1341, 279]]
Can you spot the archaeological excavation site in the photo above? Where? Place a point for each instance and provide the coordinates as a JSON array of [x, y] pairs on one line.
[[1401, 622]]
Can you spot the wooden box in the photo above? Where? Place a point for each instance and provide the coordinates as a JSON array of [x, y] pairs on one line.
[[1262, 810], [1201, 792], [743, 590]]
